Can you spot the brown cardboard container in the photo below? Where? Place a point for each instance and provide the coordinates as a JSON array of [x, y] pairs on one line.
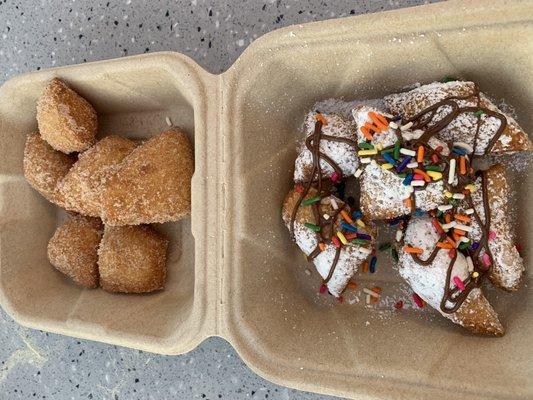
[[238, 275], [133, 97]]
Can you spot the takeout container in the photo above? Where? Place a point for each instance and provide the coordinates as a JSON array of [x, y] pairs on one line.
[[233, 271]]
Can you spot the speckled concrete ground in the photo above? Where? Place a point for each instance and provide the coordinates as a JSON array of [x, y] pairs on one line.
[[42, 34]]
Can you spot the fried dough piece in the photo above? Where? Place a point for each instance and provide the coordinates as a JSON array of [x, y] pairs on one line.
[[73, 249], [82, 185], [463, 127], [152, 184], [44, 167], [428, 281], [132, 259], [66, 120], [351, 255], [508, 266], [382, 191]]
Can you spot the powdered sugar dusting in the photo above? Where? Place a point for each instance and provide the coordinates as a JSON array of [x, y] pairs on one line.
[[349, 260], [343, 154], [383, 194], [344, 108]]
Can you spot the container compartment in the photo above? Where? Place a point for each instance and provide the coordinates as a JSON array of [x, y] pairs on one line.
[[133, 98], [275, 317]]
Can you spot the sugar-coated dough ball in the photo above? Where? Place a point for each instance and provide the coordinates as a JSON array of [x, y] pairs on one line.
[[81, 186], [73, 249], [132, 259], [152, 184], [66, 120], [44, 167]]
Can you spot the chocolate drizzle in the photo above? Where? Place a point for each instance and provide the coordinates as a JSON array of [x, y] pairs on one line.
[[421, 120], [453, 297], [316, 181]]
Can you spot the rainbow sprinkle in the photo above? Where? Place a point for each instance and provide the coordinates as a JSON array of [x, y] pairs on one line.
[[367, 152], [403, 164], [459, 283], [348, 227], [311, 200], [342, 238], [373, 262], [313, 227], [418, 300], [388, 158], [486, 260], [357, 214]]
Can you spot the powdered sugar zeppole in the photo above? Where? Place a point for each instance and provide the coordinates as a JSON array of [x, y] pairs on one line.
[[492, 229], [337, 138], [470, 115], [383, 192], [445, 282], [415, 156], [384, 196], [324, 229]]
